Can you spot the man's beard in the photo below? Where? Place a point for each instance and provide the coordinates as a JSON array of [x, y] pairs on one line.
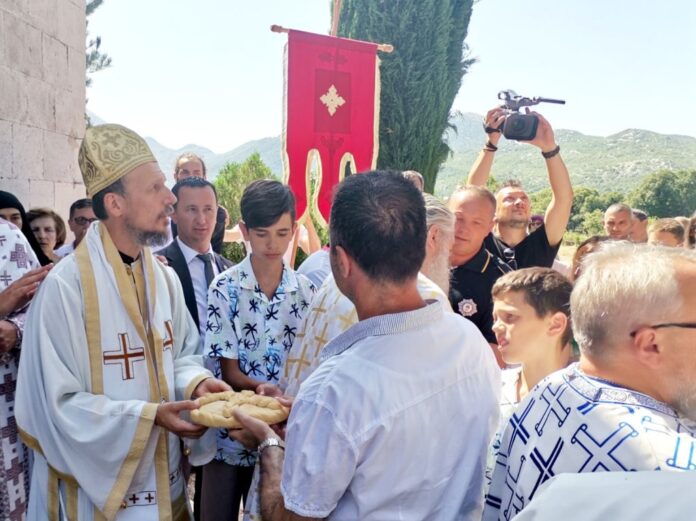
[[149, 238], [438, 270], [514, 223], [685, 402]]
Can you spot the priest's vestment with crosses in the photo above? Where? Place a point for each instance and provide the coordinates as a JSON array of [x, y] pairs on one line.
[[106, 342]]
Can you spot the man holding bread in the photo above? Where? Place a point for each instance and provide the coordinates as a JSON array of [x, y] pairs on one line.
[[362, 433], [109, 354]]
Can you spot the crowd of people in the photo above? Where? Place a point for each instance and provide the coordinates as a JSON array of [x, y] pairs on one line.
[[439, 360]]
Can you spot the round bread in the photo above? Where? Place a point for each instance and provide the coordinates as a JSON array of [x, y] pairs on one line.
[[216, 409]]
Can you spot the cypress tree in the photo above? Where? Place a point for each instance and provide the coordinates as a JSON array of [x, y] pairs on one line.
[[419, 80]]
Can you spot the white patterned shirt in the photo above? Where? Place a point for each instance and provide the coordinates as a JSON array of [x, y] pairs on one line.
[[573, 423], [244, 325]]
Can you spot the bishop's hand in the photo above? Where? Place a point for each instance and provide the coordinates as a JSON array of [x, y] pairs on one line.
[[210, 385], [168, 417]]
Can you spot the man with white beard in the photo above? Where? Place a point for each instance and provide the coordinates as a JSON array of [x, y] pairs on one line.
[[630, 403]]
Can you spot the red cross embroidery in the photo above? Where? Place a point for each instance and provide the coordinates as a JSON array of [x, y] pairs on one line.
[[169, 340], [125, 357]]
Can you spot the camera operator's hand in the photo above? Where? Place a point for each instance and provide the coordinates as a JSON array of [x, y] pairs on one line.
[[544, 138], [494, 119]]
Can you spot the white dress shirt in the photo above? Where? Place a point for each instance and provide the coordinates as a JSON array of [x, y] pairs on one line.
[[395, 422], [200, 289]]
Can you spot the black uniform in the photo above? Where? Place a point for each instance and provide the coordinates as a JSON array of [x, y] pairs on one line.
[[534, 250], [470, 290]]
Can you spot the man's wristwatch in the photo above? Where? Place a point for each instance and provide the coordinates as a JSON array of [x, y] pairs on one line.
[[270, 442]]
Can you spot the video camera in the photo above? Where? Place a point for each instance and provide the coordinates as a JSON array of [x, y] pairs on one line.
[[521, 127]]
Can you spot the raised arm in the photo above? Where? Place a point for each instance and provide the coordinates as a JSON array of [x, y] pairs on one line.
[[481, 169], [558, 211]]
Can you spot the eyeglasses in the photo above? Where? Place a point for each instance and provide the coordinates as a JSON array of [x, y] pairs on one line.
[[83, 221], [686, 325]]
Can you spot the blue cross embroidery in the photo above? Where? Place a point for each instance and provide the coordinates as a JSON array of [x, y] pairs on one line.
[[600, 453], [545, 466], [551, 400]]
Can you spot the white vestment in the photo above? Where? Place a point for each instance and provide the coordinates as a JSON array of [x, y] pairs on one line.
[[104, 344]]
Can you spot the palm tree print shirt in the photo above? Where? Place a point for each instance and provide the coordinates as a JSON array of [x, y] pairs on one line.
[[244, 324]]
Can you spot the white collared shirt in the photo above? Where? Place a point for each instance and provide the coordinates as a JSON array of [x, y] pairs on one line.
[[200, 289], [395, 422]]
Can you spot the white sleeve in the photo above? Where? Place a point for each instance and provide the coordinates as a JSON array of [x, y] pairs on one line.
[[320, 461]]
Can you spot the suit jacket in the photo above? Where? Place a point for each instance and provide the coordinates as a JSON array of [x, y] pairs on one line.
[[176, 260]]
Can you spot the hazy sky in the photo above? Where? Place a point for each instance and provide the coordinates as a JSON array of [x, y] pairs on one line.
[[210, 72]]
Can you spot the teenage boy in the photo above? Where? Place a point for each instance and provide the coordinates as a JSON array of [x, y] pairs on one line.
[[531, 310], [254, 312]]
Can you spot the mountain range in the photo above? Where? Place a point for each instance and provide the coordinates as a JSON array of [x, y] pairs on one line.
[[616, 162]]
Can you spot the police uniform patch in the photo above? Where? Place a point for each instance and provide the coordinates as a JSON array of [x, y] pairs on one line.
[[467, 307]]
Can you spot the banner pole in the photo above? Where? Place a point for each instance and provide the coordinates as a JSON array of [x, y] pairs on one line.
[[336, 18], [384, 47]]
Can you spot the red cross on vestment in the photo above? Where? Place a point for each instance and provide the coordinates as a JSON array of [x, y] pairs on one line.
[[125, 356], [169, 340]]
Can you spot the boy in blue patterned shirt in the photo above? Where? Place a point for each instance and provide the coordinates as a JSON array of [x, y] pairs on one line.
[[254, 312]]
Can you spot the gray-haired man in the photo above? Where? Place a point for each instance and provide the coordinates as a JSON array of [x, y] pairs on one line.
[[630, 403]]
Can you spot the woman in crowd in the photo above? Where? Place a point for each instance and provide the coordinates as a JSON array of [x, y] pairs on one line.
[[49, 230], [13, 211]]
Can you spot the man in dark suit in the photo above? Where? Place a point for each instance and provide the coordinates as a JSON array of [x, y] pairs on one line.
[[191, 254], [188, 165], [192, 257]]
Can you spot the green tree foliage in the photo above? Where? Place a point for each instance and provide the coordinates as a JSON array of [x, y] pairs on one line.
[[419, 80], [230, 184], [96, 60], [586, 217], [666, 193]]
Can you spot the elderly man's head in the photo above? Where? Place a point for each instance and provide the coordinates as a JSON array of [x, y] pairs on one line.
[[618, 221], [634, 317], [440, 222]]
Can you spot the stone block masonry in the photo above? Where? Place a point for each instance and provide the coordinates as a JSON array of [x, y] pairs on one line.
[[42, 100]]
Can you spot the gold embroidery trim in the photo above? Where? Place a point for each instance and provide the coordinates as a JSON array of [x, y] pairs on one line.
[[162, 478], [71, 499], [157, 341], [130, 463], [92, 317], [130, 301], [53, 491], [192, 386]]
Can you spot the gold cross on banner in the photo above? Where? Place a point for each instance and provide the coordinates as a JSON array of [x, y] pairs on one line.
[[332, 100]]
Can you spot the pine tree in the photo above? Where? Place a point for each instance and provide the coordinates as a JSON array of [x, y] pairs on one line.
[[95, 59], [419, 80]]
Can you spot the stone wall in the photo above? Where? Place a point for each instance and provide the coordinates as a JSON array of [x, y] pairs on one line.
[[42, 100]]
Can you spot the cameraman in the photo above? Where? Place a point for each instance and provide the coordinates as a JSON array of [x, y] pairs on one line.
[[509, 239]]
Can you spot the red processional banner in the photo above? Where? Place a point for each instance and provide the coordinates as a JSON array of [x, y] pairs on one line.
[[332, 114]]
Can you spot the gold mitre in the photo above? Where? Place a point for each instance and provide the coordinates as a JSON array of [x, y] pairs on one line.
[[108, 152]]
